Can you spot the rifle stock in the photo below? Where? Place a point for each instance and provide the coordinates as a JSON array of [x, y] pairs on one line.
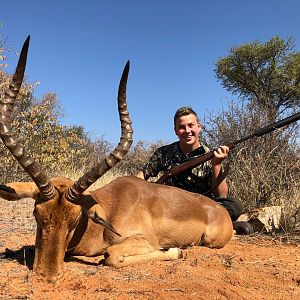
[[198, 160], [177, 169]]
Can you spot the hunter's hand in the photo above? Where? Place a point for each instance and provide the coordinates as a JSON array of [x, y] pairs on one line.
[[220, 154]]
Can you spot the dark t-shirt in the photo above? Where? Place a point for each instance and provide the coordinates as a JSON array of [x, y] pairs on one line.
[[196, 180]]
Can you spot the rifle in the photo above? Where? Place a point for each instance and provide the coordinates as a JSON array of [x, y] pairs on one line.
[[198, 160]]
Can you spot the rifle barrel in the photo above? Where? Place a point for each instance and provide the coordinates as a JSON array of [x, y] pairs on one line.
[[269, 128]]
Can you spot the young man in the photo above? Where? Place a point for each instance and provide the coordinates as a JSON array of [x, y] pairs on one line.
[[201, 178]]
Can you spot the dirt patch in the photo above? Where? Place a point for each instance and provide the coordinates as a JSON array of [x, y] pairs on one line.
[[255, 267]]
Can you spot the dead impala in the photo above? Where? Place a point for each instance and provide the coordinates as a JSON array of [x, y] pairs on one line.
[[129, 220]]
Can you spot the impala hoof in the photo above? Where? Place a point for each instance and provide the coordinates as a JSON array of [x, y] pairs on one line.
[[174, 253]]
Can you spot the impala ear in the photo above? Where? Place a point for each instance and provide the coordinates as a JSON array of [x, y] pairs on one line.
[[8, 193], [17, 190], [28, 189], [7, 189]]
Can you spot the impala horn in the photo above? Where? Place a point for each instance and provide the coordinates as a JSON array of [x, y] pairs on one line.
[[74, 192], [10, 140]]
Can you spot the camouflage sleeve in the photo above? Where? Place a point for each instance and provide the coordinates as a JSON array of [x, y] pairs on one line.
[[154, 164]]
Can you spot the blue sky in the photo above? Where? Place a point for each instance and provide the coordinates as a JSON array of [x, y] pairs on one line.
[[79, 48]]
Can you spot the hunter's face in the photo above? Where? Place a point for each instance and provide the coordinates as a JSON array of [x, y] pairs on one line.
[[187, 128]]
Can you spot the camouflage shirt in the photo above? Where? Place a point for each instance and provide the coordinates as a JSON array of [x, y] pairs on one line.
[[196, 180]]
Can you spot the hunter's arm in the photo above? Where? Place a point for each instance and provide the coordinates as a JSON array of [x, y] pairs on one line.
[[219, 155]]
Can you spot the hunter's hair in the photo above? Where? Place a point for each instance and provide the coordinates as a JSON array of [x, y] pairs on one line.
[[184, 111]]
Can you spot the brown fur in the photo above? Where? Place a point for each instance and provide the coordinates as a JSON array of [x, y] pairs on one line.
[[150, 218], [13, 191]]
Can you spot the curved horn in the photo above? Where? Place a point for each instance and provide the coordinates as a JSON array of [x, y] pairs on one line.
[[114, 157], [9, 138]]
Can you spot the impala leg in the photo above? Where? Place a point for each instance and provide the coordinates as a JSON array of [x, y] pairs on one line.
[[135, 250]]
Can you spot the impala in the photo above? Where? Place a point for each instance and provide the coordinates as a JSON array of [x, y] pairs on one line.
[[128, 221]]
